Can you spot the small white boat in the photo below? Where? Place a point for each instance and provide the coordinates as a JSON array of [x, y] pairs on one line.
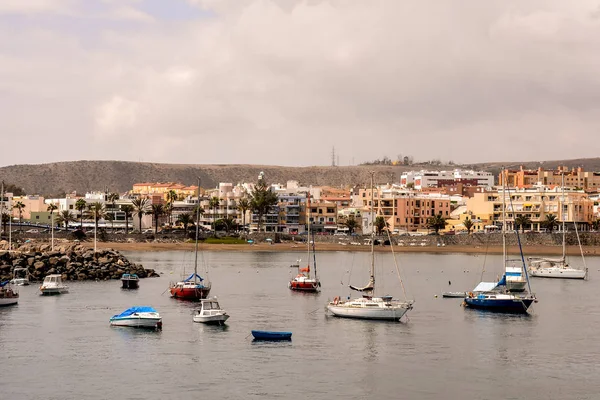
[[8, 296], [454, 294], [210, 313], [138, 317], [20, 277], [381, 308], [53, 285]]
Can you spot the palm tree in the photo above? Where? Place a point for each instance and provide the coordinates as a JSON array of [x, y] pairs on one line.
[[110, 217], [112, 199], [171, 198], [262, 199], [140, 208], [157, 210], [380, 224], [351, 223], [228, 223], [551, 222], [64, 217], [20, 206], [243, 206], [51, 208], [468, 224], [436, 223], [185, 219], [81, 206], [128, 210], [521, 221], [97, 212], [213, 204], [5, 221]]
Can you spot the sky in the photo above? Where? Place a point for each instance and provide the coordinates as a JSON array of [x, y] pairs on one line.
[[284, 82]]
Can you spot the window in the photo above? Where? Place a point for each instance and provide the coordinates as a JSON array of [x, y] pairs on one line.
[[37, 217], [70, 206]]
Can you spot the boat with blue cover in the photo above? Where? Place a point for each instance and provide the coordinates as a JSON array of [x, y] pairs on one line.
[[138, 317], [271, 335], [509, 294]]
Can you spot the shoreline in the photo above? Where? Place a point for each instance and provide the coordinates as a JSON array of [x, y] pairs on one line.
[[330, 247]]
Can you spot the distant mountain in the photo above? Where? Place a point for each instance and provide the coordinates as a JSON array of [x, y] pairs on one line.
[[119, 176]]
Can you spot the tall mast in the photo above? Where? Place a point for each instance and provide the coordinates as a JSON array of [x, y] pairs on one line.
[[504, 217], [2, 205], [197, 230], [372, 233], [308, 227], [562, 213]]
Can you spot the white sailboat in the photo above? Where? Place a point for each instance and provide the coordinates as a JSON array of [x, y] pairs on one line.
[[369, 306], [559, 268], [304, 282]]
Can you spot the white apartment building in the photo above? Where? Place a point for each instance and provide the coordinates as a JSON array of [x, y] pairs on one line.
[[425, 179]]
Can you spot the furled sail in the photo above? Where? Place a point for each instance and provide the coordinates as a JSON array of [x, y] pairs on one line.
[[368, 288]]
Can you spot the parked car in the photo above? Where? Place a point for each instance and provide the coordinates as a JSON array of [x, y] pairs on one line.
[[32, 231]]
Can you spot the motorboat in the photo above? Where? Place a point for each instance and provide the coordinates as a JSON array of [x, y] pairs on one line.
[[8, 296], [130, 281], [53, 285], [454, 294], [138, 317], [20, 277], [210, 313], [271, 335]]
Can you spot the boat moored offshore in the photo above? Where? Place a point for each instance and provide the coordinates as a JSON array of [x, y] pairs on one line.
[[138, 317], [53, 285]]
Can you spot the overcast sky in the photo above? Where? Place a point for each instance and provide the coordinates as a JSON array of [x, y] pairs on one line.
[[282, 82]]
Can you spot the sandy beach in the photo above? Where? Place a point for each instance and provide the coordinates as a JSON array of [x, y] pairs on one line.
[[290, 247]]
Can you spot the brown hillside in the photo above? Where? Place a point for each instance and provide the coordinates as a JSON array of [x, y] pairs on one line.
[[119, 176]]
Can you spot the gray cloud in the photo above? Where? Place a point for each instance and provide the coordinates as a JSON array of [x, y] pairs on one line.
[[283, 82]]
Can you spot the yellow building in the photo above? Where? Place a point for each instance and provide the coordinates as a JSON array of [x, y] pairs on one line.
[[151, 188]]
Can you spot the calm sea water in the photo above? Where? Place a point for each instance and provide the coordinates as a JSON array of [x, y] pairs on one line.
[[63, 348]]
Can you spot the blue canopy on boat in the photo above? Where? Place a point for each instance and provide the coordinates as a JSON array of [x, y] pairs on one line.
[[2, 284], [502, 281], [192, 277], [133, 310]]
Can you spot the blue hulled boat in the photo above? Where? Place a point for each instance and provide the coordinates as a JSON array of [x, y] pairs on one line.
[[271, 335], [509, 294]]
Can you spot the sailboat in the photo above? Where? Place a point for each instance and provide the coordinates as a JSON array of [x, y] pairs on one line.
[[501, 296], [559, 268], [369, 306], [303, 281], [194, 287]]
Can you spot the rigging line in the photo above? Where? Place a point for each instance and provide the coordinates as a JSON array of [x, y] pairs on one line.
[[487, 245], [581, 250], [520, 247], [396, 264]]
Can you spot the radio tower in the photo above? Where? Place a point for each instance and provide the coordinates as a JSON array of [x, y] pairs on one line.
[[333, 156]]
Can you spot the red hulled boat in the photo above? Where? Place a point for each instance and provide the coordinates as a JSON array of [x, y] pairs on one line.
[[303, 281], [192, 288]]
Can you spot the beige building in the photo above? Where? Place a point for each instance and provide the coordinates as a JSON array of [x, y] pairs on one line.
[[534, 203], [33, 204], [576, 178], [151, 188]]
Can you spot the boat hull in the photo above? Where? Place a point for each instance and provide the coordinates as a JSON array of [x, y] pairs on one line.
[[53, 291], [130, 283], [218, 319], [394, 313], [460, 295], [516, 305], [137, 322], [190, 294], [559, 273], [271, 336], [20, 282], [8, 301], [304, 286]]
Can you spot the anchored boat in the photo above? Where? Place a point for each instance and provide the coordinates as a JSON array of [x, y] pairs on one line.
[[130, 281], [210, 312], [138, 317], [271, 335], [53, 285], [8, 296]]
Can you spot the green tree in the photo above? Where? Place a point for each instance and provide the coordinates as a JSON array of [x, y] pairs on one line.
[[185, 219], [243, 205], [140, 208], [227, 223], [5, 221], [128, 210], [595, 224], [213, 204], [550, 222], [380, 224], [97, 212], [81, 206], [156, 210], [351, 223], [522, 221], [51, 208], [20, 206], [65, 217], [468, 224], [436, 222], [261, 200]]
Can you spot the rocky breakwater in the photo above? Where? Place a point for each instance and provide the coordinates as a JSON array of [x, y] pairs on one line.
[[73, 262]]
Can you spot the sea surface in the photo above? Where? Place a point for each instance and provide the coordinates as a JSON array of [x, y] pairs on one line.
[[63, 347]]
